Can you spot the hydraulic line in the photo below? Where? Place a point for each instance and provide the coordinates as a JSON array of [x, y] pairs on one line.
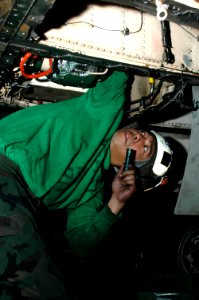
[[40, 74]]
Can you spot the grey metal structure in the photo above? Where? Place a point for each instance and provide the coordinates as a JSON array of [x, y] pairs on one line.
[[188, 199]]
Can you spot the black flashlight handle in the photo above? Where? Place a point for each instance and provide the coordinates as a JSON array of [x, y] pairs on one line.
[[130, 158]]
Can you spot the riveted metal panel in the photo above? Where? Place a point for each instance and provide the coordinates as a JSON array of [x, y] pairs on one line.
[[128, 36]]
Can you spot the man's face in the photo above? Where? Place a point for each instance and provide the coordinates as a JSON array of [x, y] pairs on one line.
[[141, 141]]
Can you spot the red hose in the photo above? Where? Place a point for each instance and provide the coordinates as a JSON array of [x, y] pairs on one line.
[[41, 74]]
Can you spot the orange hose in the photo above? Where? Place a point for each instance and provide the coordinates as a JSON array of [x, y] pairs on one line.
[[41, 74]]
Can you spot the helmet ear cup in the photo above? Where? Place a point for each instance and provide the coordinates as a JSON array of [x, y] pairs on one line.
[[163, 157]]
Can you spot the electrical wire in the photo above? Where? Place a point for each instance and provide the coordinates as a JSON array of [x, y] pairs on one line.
[[195, 36], [125, 31], [146, 101]]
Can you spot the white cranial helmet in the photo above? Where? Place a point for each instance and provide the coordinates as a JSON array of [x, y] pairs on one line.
[[153, 172]]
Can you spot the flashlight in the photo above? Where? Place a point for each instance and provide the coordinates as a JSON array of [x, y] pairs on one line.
[[130, 158]]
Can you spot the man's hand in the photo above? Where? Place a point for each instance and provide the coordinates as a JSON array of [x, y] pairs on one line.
[[123, 187]]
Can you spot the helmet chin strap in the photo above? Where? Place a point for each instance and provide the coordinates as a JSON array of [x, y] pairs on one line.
[[163, 181]]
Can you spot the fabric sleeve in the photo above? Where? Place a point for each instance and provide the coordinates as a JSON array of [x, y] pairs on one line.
[[88, 225], [91, 222], [111, 89]]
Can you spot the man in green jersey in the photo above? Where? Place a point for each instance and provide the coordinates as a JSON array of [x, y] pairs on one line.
[[53, 156]]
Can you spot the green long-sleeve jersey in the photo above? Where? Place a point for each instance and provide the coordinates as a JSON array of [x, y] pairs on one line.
[[61, 149]]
